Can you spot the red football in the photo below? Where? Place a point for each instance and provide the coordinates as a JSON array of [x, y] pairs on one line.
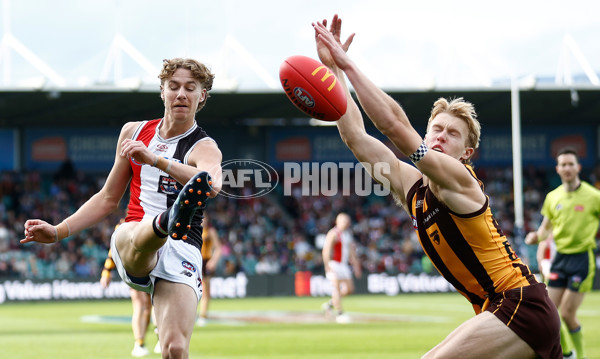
[[313, 88]]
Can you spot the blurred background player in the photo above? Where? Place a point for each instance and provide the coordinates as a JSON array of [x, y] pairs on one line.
[[571, 217], [142, 310], [544, 255], [211, 253], [339, 252]]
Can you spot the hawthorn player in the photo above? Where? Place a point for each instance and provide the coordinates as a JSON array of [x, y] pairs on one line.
[[451, 215]]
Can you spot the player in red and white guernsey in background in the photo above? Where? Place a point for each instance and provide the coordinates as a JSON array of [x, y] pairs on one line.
[[339, 252], [157, 249]]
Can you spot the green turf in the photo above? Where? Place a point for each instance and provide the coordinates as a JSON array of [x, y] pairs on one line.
[[56, 330]]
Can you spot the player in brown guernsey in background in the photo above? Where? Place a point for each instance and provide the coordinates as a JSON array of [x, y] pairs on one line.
[[141, 314], [211, 253], [451, 215], [142, 308]]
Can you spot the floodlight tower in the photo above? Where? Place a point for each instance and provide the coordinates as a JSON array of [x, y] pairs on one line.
[[9, 42], [114, 61], [563, 72]]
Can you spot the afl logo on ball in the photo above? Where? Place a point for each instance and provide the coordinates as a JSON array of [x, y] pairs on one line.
[[189, 266], [304, 97]]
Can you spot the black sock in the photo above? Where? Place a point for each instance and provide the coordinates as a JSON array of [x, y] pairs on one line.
[[160, 224]]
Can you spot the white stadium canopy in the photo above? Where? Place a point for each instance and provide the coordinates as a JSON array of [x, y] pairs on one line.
[[427, 45]]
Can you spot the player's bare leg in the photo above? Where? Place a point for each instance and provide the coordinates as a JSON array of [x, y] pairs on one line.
[[483, 336], [140, 319], [137, 245], [175, 309], [138, 242]]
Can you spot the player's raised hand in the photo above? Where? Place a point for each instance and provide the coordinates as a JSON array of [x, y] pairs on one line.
[[329, 42]]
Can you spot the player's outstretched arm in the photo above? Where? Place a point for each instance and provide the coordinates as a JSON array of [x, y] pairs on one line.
[[458, 189], [366, 148], [94, 209], [543, 231], [385, 112]]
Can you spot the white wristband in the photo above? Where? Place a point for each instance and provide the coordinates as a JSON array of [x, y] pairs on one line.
[[68, 228]]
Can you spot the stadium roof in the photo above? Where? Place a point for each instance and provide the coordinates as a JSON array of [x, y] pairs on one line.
[[22, 109]]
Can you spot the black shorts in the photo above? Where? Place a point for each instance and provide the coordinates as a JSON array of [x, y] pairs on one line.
[[573, 271], [529, 312]]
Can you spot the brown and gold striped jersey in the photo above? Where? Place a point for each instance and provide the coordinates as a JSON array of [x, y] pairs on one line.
[[207, 245], [470, 251]]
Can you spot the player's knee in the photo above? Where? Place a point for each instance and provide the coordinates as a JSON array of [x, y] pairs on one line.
[[567, 313], [175, 349]]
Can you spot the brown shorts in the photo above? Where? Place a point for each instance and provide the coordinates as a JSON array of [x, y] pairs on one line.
[[530, 313], [205, 271]]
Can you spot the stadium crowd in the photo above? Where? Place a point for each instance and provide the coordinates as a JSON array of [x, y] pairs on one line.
[[272, 234]]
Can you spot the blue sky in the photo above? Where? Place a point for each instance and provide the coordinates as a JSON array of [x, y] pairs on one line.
[[399, 44]]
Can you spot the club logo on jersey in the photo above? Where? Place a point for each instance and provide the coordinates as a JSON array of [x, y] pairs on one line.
[[161, 147], [435, 236], [167, 185], [189, 266]]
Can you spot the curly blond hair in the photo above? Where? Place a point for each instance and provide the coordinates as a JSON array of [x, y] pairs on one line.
[[199, 71]]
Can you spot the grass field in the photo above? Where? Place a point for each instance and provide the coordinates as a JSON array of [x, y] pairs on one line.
[[404, 326]]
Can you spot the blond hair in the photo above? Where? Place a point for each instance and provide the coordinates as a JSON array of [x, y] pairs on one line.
[[199, 71], [463, 110]]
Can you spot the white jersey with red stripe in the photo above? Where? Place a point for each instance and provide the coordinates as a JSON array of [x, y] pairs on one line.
[[341, 246], [152, 190]]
